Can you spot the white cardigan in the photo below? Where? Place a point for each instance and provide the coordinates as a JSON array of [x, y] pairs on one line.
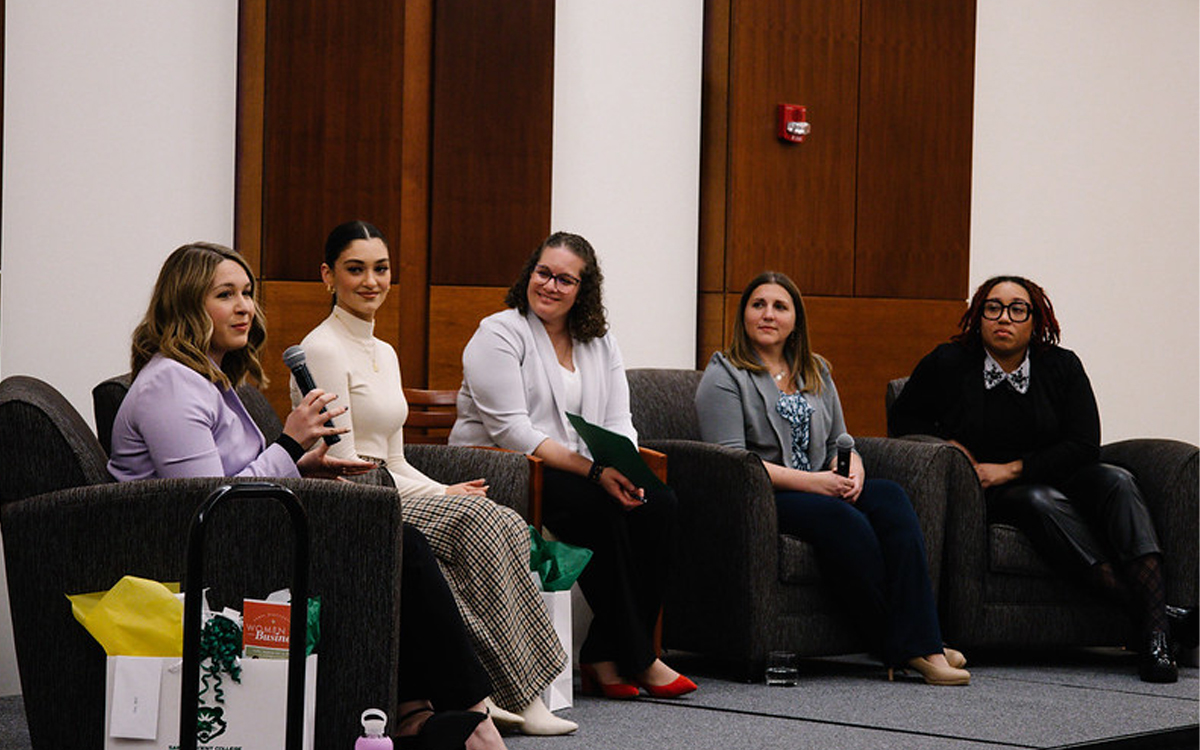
[[512, 393]]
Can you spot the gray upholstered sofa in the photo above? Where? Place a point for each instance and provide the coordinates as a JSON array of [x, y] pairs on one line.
[[997, 591], [69, 528], [740, 588]]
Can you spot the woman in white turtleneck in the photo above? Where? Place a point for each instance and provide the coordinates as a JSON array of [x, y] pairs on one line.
[[483, 547]]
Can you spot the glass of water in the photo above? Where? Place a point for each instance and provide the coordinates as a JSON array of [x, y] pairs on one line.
[[781, 669]]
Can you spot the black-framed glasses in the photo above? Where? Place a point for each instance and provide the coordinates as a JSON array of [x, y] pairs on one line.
[[1018, 310], [564, 281]]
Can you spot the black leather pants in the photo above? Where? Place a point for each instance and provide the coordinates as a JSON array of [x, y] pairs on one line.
[[1096, 516]]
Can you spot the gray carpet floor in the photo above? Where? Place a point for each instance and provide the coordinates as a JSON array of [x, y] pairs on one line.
[[1088, 698]]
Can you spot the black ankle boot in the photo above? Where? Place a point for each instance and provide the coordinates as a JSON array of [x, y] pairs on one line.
[[1156, 663]]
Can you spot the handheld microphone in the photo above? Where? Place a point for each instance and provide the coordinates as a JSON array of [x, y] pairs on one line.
[[294, 358], [845, 444]]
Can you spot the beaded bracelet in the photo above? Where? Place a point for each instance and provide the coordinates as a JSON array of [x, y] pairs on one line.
[[595, 472]]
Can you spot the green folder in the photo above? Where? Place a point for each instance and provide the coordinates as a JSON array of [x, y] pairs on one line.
[[614, 449]]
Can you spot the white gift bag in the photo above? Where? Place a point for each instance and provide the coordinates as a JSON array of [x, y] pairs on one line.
[[560, 693], [142, 705]]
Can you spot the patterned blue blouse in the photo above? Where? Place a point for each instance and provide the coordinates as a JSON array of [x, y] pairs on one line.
[[796, 410]]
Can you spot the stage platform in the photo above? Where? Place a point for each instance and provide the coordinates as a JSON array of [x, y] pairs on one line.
[[1087, 698]]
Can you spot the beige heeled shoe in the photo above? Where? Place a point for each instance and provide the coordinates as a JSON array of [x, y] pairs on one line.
[[540, 721], [935, 674], [954, 657], [504, 720]]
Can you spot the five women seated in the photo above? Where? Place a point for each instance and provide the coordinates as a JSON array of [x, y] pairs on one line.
[[1019, 407]]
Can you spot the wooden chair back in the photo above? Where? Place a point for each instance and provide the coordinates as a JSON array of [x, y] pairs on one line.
[[431, 414]]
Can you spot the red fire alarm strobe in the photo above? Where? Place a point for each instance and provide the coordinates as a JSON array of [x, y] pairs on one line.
[[792, 123]]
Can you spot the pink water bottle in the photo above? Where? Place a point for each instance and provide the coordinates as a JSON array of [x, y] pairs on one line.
[[374, 721]]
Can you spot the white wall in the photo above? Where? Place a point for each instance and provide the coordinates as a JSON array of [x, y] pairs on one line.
[[118, 147], [627, 162], [1086, 180]]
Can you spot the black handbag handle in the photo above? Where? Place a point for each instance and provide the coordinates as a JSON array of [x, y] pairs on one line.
[[190, 693]]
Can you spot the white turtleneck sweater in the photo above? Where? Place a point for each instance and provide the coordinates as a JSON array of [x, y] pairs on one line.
[[345, 358]]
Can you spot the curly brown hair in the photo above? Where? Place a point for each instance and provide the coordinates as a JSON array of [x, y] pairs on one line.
[[804, 365], [176, 324], [586, 320], [1045, 325]]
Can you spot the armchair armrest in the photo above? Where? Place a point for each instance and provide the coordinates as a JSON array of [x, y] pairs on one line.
[[656, 461], [725, 503], [85, 538], [1166, 472], [922, 468], [512, 476]]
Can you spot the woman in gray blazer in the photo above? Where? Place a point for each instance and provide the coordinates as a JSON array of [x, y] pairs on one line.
[[771, 395], [550, 353]]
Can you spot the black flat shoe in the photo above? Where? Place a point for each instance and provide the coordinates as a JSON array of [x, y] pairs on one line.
[[444, 730], [1185, 626], [1156, 664]]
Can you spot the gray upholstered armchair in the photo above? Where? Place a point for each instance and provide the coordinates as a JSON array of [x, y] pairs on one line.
[[740, 588], [69, 528], [997, 591], [510, 477]]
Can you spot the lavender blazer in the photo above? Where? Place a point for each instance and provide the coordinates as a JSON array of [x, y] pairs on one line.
[[175, 423]]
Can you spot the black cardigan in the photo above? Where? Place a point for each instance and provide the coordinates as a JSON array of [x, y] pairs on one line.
[[1054, 428]]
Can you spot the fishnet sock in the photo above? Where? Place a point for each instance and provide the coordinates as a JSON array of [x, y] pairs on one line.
[[1145, 578]]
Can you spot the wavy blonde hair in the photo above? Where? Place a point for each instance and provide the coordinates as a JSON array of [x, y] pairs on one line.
[[176, 325], [804, 365]]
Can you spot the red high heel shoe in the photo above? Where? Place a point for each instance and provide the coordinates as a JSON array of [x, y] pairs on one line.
[[677, 687], [591, 685]]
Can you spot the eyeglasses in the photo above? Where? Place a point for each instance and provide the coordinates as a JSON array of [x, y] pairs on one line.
[[564, 281], [1018, 311]]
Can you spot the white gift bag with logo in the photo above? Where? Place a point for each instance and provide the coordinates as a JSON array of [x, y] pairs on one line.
[[560, 693], [142, 705]]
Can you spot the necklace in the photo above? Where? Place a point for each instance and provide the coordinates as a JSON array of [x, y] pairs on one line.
[[779, 375], [368, 345]]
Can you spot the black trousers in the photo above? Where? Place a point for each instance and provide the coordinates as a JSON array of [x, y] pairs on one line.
[[1096, 516], [437, 661], [631, 553], [872, 555]]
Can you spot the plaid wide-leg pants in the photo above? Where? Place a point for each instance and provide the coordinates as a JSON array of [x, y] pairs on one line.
[[483, 550]]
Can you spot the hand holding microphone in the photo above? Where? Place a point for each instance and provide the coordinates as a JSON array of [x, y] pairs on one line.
[[845, 445], [294, 358], [845, 453]]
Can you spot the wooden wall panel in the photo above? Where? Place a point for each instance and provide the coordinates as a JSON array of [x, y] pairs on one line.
[[914, 148], [410, 241], [492, 136], [251, 88], [714, 153], [869, 341], [454, 314], [293, 308], [791, 206], [334, 126]]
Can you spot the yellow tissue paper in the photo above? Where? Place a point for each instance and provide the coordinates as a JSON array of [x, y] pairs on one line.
[[137, 617]]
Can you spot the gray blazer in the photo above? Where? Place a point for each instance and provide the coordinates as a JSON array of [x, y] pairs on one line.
[[736, 408], [512, 390]]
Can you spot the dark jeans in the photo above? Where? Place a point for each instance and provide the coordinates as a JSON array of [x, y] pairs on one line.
[[1098, 515], [437, 661], [872, 555], [631, 553]]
